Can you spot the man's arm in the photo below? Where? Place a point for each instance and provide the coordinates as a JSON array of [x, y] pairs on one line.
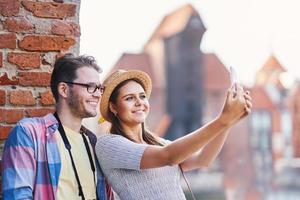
[[19, 165]]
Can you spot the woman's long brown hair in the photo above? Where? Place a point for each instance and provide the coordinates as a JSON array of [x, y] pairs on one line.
[[116, 127]]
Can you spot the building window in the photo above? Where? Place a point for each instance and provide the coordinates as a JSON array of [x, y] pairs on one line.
[[260, 140]]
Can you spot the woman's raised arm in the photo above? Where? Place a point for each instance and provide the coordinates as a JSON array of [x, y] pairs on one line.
[[236, 106]]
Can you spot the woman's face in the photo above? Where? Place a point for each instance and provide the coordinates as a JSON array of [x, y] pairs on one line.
[[132, 106]]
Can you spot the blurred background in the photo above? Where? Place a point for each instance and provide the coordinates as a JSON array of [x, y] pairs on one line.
[[186, 47]]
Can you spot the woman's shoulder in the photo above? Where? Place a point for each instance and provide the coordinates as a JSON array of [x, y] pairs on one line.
[[108, 141], [110, 136]]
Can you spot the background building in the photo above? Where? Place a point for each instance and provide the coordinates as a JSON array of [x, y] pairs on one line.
[[189, 89]]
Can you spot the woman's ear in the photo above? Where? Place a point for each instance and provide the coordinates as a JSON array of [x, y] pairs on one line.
[[62, 89], [112, 108]]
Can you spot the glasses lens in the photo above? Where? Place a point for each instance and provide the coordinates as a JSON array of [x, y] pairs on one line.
[[91, 88]]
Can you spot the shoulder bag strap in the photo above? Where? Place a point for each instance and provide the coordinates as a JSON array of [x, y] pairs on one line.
[[187, 183]]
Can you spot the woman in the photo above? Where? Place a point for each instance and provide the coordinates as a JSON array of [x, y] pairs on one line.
[[140, 165]]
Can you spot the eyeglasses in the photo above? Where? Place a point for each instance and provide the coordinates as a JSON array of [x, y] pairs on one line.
[[90, 87]]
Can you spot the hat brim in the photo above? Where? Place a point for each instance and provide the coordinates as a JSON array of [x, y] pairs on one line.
[[115, 79]]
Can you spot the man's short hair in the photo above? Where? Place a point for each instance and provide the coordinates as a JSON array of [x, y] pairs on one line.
[[65, 69]]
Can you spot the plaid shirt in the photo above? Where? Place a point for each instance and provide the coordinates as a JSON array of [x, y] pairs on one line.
[[31, 161]]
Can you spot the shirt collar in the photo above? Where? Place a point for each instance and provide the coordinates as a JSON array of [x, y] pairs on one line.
[[50, 120]]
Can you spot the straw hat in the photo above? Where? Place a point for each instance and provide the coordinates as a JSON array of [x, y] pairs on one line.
[[113, 80]]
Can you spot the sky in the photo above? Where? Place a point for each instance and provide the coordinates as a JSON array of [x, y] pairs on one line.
[[242, 33]]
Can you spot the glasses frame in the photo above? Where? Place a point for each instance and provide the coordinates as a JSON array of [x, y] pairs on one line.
[[99, 87]]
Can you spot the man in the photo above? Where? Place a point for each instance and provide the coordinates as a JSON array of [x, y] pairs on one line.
[[52, 157]]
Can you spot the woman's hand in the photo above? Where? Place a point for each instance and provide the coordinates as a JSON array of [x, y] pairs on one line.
[[237, 105], [248, 105]]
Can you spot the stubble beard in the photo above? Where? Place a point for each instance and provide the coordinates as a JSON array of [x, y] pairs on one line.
[[77, 107]]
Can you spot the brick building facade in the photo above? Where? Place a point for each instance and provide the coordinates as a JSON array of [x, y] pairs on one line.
[[32, 35]]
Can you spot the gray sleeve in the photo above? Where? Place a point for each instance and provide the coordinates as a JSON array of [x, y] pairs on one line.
[[117, 152]]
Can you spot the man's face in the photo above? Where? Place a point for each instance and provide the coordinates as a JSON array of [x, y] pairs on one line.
[[82, 103]]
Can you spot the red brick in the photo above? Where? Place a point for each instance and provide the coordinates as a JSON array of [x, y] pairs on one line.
[[2, 115], [18, 24], [34, 78], [65, 28], [2, 97], [47, 98], [46, 43], [8, 40], [11, 116], [38, 112], [4, 80], [4, 131], [1, 59], [21, 97], [9, 7], [50, 10], [25, 60]]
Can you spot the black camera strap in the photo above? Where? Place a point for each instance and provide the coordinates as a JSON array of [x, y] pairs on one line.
[[68, 147], [187, 183]]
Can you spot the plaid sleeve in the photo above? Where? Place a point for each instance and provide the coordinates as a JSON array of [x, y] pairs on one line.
[[19, 165], [104, 190], [109, 192]]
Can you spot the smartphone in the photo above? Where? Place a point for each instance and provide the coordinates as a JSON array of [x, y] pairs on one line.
[[233, 77]]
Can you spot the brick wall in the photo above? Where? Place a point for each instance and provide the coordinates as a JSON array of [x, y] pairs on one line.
[[32, 35]]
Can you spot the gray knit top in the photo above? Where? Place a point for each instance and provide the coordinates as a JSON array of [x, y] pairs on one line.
[[120, 161]]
